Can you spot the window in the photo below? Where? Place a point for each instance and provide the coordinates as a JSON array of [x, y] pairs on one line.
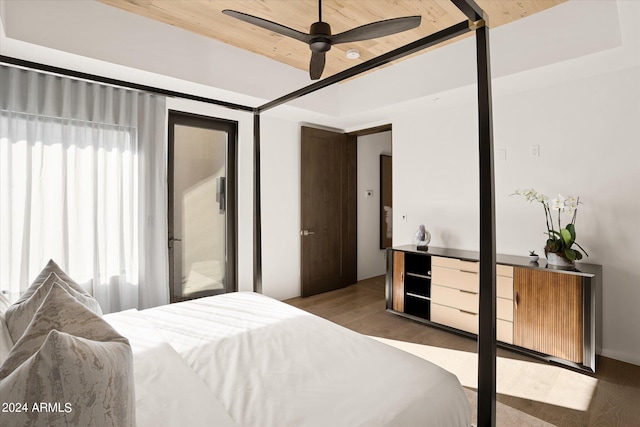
[[79, 184]]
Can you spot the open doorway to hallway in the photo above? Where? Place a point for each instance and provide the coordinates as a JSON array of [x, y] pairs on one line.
[[374, 200]]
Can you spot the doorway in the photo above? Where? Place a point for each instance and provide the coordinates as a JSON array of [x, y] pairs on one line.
[[327, 211], [202, 206], [375, 202], [331, 213]]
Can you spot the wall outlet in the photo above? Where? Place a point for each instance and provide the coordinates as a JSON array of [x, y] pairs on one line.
[[534, 150]]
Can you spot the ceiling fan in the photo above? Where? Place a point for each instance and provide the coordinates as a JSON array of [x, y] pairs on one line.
[[320, 38]]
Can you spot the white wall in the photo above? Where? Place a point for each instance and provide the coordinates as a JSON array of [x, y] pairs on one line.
[[371, 261], [280, 155], [587, 133]]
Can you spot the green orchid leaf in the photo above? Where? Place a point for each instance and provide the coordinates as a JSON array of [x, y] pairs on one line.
[[557, 245], [578, 255], [570, 254], [585, 252], [566, 236], [572, 230]]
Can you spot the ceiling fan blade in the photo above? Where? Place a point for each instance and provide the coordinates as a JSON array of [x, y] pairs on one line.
[[316, 66], [269, 25], [377, 29]]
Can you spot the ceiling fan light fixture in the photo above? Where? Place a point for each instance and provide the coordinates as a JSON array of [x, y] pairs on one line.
[[353, 54], [320, 45]]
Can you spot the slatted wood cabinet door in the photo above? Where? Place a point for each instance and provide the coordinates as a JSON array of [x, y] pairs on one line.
[[548, 313], [398, 281]]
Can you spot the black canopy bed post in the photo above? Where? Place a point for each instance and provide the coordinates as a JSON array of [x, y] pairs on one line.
[[257, 210], [487, 321], [487, 303]]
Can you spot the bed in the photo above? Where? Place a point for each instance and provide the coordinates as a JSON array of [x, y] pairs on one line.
[[238, 359]]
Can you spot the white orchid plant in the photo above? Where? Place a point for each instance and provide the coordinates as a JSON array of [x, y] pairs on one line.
[[560, 241]]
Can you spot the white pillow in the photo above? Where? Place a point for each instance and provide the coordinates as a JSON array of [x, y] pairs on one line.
[[70, 358], [6, 343], [20, 314]]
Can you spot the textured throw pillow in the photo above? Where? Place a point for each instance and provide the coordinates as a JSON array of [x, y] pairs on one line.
[[4, 303], [6, 343], [51, 267], [69, 368], [20, 314]]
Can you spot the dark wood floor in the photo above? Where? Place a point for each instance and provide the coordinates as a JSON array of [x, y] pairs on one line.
[[361, 307]]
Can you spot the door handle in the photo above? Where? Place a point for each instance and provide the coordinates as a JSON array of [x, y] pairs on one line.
[[221, 196], [307, 233]]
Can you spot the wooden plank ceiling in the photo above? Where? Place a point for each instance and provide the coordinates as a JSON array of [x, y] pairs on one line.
[[205, 17]]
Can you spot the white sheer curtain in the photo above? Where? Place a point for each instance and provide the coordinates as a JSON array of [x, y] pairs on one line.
[[83, 181]]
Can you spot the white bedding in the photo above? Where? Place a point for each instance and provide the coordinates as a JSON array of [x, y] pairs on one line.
[[247, 360]]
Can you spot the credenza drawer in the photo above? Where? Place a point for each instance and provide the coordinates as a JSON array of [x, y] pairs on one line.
[[467, 321], [455, 318], [504, 309], [457, 279], [504, 331], [504, 270], [504, 287], [455, 263], [458, 264], [468, 301], [454, 298]]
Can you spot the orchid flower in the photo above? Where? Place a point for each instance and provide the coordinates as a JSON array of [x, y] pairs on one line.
[[559, 241]]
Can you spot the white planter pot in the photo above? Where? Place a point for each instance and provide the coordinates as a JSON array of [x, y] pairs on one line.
[[555, 259]]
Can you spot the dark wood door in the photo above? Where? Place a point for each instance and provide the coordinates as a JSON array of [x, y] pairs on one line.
[[328, 211]]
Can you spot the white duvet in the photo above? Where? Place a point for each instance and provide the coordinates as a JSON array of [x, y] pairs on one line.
[[247, 360]]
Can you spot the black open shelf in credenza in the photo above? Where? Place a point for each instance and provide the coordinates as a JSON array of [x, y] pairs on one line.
[[417, 285]]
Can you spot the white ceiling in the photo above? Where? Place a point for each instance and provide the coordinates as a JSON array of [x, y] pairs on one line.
[[180, 60]]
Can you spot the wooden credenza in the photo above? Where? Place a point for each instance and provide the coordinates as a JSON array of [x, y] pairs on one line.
[[541, 311]]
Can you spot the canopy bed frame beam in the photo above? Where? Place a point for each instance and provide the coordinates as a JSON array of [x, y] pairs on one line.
[[470, 8], [408, 49], [120, 83]]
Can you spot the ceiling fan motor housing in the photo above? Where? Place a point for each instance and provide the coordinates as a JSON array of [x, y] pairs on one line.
[[321, 33]]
